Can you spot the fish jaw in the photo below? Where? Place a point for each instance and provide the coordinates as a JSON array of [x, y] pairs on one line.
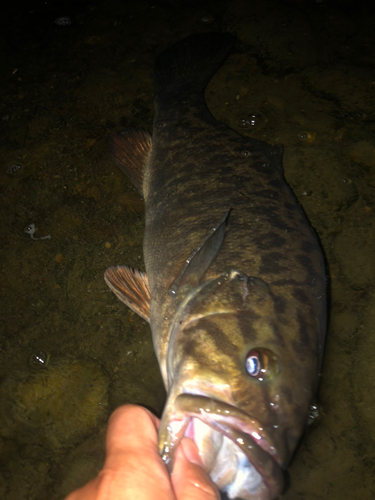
[[238, 454], [246, 428]]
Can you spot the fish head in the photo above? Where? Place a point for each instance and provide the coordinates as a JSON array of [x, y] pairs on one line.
[[241, 382]]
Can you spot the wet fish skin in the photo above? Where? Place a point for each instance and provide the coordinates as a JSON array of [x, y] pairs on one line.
[[233, 267]]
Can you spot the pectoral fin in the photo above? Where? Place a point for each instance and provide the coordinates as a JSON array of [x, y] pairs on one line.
[[201, 259], [131, 287], [130, 150]]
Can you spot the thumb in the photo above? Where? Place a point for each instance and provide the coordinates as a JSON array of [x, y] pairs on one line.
[[189, 479]]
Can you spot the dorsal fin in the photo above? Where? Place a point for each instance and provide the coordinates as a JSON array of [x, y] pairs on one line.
[[131, 287], [201, 259], [130, 150]]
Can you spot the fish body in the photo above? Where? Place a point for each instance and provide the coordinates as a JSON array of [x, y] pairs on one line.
[[235, 285]]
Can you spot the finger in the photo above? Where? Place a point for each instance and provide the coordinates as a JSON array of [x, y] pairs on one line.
[[189, 479], [87, 492], [133, 463], [133, 467], [128, 427]]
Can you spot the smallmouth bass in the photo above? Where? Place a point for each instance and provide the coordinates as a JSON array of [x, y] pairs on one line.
[[235, 285]]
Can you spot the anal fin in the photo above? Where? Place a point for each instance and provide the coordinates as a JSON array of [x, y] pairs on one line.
[[131, 287]]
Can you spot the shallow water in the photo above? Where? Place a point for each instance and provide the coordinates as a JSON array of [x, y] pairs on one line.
[[301, 75]]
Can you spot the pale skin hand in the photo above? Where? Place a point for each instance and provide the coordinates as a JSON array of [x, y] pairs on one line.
[[134, 469]]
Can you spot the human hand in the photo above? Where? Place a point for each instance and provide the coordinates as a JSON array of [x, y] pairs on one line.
[[134, 469]]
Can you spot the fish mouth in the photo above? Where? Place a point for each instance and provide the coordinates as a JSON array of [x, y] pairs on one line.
[[240, 435]]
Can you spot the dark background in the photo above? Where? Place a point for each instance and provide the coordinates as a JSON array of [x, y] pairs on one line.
[[301, 75]]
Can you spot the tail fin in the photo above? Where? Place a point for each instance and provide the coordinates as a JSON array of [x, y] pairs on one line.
[[189, 65]]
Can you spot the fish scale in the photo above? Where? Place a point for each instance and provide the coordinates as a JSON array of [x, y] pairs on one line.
[[235, 285]]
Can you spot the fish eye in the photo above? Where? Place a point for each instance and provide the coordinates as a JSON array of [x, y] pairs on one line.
[[252, 363], [261, 363]]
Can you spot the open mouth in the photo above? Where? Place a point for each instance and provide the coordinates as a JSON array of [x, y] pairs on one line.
[[241, 458]]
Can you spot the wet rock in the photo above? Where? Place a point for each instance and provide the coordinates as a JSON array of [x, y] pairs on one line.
[[355, 251], [57, 406], [363, 381]]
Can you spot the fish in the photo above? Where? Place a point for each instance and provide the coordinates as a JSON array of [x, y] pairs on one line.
[[234, 287]]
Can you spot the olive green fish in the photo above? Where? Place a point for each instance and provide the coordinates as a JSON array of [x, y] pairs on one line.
[[235, 285]]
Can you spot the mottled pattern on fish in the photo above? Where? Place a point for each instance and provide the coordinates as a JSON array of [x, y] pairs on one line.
[[202, 169], [235, 280]]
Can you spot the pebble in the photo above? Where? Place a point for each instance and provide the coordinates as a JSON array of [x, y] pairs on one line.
[[363, 152], [63, 21], [59, 258]]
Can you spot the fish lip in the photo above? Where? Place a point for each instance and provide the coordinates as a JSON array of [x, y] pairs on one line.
[[262, 454], [242, 422], [265, 464]]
